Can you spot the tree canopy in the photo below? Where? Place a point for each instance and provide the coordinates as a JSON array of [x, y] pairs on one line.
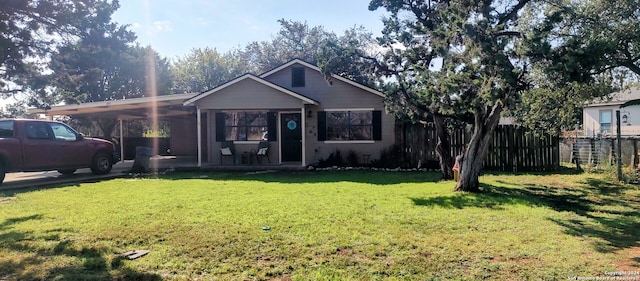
[[30, 30], [204, 69], [578, 51]]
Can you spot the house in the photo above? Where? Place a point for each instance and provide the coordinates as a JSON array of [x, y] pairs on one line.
[[303, 116], [599, 117], [299, 114]]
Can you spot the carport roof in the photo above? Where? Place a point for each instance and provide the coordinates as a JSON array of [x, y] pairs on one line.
[[127, 109]]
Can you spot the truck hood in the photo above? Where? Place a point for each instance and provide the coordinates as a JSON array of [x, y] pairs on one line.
[[99, 140]]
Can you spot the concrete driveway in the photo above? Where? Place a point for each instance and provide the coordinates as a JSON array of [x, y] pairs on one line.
[[51, 178]]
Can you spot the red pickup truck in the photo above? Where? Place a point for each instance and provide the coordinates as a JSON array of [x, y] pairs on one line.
[[41, 145]]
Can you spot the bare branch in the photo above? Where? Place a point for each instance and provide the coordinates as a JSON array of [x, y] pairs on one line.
[[511, 14]]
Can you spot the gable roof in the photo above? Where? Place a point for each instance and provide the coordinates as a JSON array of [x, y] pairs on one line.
[[617, 98], [333, 76], [252, 77]]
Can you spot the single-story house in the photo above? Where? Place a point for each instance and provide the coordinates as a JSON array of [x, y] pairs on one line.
[[294, 111], [599, 117]]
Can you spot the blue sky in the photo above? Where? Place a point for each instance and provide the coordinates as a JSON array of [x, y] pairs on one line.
[[174, 27]]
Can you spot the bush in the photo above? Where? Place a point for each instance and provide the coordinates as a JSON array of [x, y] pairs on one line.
[[352, 159], [389, 158], [334, 159]]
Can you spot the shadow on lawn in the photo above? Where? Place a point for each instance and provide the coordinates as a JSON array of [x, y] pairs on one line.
[[292, 177], [31, 259], [602, 210]]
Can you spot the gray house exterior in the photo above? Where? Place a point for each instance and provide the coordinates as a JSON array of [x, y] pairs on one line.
[[303, 117], [293, 110]]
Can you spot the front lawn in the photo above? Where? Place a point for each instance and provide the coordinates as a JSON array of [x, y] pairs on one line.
[[341, 225]]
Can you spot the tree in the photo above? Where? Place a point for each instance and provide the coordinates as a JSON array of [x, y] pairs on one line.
[[581, 39], [298, 40], [30, 30], [105, 65], [457, 58], [14, 110], [579, 51], [294, 40], [205, 69]]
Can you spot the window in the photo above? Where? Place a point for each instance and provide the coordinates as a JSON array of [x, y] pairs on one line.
[[605, 121], [245, 126], [297, 77], [37, 130], [349, 125], [64, 133], [6, 129], [353, 125]]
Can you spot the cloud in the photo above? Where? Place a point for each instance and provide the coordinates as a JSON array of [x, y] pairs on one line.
[[202, 21], [162, 26]]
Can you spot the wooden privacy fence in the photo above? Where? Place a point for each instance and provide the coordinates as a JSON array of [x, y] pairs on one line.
[[511, 148]]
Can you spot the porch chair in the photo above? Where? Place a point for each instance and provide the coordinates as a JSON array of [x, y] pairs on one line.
[[227, 149], [263, 151]]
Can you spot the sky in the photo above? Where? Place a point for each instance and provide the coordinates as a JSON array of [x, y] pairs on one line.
[[175, 27]]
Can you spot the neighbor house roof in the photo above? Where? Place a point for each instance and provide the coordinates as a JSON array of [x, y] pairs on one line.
[[617, 98], [134, 108], [204, 94], [333, 76]]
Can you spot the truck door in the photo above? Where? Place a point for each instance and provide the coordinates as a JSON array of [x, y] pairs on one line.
[[72, 151], [37, 146]]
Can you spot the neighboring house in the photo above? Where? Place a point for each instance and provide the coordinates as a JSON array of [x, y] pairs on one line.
[[599, 117], [303, 116]]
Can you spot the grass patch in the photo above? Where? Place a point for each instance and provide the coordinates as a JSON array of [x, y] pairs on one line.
[[349, 225]]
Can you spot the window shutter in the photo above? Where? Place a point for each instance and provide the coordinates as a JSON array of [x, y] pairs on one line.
[[220, 134], [272, 126], [322, 125], [377, 125]]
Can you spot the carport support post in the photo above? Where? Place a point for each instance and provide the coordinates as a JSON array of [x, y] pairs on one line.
[[199, 125], [619, 146], [121, 140]]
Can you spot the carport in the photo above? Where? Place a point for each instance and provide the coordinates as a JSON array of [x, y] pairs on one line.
[[165, 108]]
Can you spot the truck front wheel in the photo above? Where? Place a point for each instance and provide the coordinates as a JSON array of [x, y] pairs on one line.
[[101, 164]]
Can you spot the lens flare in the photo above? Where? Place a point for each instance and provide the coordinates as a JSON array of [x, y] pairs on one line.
[[152, 91]]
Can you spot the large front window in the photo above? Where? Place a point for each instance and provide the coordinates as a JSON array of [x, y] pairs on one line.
[[349, 125], [245, 126]]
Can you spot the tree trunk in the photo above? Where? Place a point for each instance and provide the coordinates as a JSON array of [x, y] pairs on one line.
[[443, 147], [107, 126], [471, 163]]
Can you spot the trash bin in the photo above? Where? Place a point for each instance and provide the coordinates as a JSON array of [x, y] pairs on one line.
[[141, 162]]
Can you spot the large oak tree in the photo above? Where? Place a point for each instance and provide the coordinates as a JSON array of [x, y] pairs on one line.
[[455, 58]]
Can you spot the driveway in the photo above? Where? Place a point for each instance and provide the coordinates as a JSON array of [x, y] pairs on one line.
[[120, 169], [50, 178]]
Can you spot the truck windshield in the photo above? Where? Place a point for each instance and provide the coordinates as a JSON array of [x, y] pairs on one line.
[[62, 132]]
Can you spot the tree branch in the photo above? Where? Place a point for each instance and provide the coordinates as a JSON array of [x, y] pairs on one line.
[[509, 33], [511, 14]]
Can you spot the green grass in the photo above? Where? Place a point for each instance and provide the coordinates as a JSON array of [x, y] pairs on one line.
[[350, 225]]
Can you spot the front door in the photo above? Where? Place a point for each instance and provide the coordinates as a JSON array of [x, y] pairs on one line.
[[291, 137]]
